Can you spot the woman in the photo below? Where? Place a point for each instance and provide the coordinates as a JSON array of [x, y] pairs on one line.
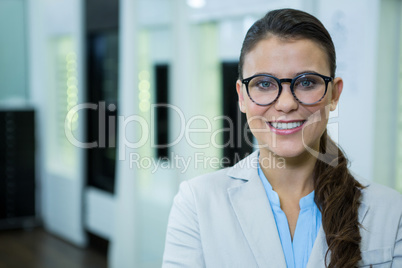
[[309, 212]]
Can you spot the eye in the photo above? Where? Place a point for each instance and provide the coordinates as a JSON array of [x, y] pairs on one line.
[[306, 82], [265, 84]]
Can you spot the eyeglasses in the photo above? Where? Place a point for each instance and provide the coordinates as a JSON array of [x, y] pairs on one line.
[[307, 88]]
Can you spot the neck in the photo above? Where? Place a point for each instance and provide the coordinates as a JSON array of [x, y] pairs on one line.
[[294, 177]]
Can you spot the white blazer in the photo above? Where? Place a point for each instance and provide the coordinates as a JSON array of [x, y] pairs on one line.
[[224, 219]]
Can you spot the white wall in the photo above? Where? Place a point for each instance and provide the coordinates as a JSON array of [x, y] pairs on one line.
[[123, 250], [354, 29], [386, 148]]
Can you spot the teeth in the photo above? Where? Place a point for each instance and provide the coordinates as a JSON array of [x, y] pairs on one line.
[[286, 125]]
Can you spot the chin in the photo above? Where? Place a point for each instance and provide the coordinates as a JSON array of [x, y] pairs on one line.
[[285, 151], [290, 154]]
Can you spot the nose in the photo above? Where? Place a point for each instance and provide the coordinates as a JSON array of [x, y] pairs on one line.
[[286, 102]]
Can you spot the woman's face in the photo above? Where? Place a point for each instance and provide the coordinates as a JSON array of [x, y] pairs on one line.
[[286, 59]]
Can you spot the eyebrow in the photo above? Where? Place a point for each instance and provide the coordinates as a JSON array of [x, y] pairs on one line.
[[294, 75]]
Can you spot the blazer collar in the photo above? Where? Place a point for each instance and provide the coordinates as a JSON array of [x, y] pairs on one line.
[[253, 211], [245, 169]]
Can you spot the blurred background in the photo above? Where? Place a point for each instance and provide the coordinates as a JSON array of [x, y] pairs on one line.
[[90, 159]]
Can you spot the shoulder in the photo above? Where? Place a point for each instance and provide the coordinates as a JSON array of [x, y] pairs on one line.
[[215, 177], [216, 184], [377, 195], [211, 184], [380, 216], [226, 178], [197, 194]]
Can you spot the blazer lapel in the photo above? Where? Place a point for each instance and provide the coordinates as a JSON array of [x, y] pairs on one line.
[[253, 211], [317, 255]]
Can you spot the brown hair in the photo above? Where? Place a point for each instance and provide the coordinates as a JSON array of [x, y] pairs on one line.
[[337, 193]]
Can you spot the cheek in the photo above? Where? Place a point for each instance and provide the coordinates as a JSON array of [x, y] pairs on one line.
[[253, 109], [256, 116], [321, 109]]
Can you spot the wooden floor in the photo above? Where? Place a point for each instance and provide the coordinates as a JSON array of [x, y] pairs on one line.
[[37, 249]]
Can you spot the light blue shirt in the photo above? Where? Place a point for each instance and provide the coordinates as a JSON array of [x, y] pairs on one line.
[[297, 252]]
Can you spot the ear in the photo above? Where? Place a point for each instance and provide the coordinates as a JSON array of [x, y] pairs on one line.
[[336, 92], [239, 89]]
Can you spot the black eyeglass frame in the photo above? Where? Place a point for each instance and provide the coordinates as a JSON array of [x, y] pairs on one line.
[[327, 79]]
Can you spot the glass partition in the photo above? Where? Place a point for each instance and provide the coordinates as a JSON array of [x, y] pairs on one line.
[[13, 53]]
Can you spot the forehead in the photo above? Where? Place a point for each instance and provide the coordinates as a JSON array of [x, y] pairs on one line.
[[285, 58]]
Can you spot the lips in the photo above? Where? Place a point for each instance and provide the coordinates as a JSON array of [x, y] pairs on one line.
[[286, 127]]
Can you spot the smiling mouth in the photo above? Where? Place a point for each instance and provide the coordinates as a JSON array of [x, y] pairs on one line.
[[284, 126]]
